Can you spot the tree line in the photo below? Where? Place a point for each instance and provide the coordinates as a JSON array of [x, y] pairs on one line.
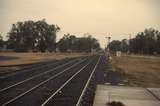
[[1, 41], [146, 42], [40, 36], [82, 44]]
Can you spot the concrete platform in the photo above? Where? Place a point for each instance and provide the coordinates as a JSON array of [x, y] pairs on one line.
[[129, 96], [155, 92]]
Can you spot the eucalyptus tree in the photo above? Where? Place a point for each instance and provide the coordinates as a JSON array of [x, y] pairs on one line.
[[35, 36]]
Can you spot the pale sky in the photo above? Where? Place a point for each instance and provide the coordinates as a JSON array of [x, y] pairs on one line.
[[119, 18]]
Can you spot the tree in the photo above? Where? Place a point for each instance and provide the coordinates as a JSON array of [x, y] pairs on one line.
[[124, 45], [1, 41], [137, 44], [81, 44], [150, 41], [35, 36], [115, 45], [146, 42], [158, 42], [63, 43]]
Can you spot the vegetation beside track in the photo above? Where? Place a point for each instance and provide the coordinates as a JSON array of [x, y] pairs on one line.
[[138, 71], [13, 61]]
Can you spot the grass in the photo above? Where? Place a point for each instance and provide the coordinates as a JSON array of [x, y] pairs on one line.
[[29, 58], [138, 70], [26, 58]]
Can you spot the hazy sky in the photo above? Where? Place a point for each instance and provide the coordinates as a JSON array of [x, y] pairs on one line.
[[119, 18]]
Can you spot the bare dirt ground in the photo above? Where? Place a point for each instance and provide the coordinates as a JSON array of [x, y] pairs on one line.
[[139, 70], [9, 59]]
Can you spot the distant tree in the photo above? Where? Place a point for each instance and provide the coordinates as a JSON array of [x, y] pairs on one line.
[[30, 35], [124, 45], [158, 42], [63, 43], [146, 42], [137, 44], [115, 45], [81, 44], [1, 41]]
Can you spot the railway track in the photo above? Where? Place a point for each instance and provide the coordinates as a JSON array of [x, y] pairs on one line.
[[37, 66], [52, 86], [72, 91], [24, 68], [23, 75], [19, 87]]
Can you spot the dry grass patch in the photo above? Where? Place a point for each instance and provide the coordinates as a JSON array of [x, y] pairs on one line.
[[27, 58], [139, 71], [11, 59]]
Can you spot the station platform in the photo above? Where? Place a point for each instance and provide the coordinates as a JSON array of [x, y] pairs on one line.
[[129, 96]]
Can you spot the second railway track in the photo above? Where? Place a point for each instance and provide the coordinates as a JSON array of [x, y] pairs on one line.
[[24, 75]]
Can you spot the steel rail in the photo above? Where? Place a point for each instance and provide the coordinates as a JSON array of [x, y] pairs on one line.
[[89, 79], [30, 69], [30, 78], [61, 87], [38, 85]]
